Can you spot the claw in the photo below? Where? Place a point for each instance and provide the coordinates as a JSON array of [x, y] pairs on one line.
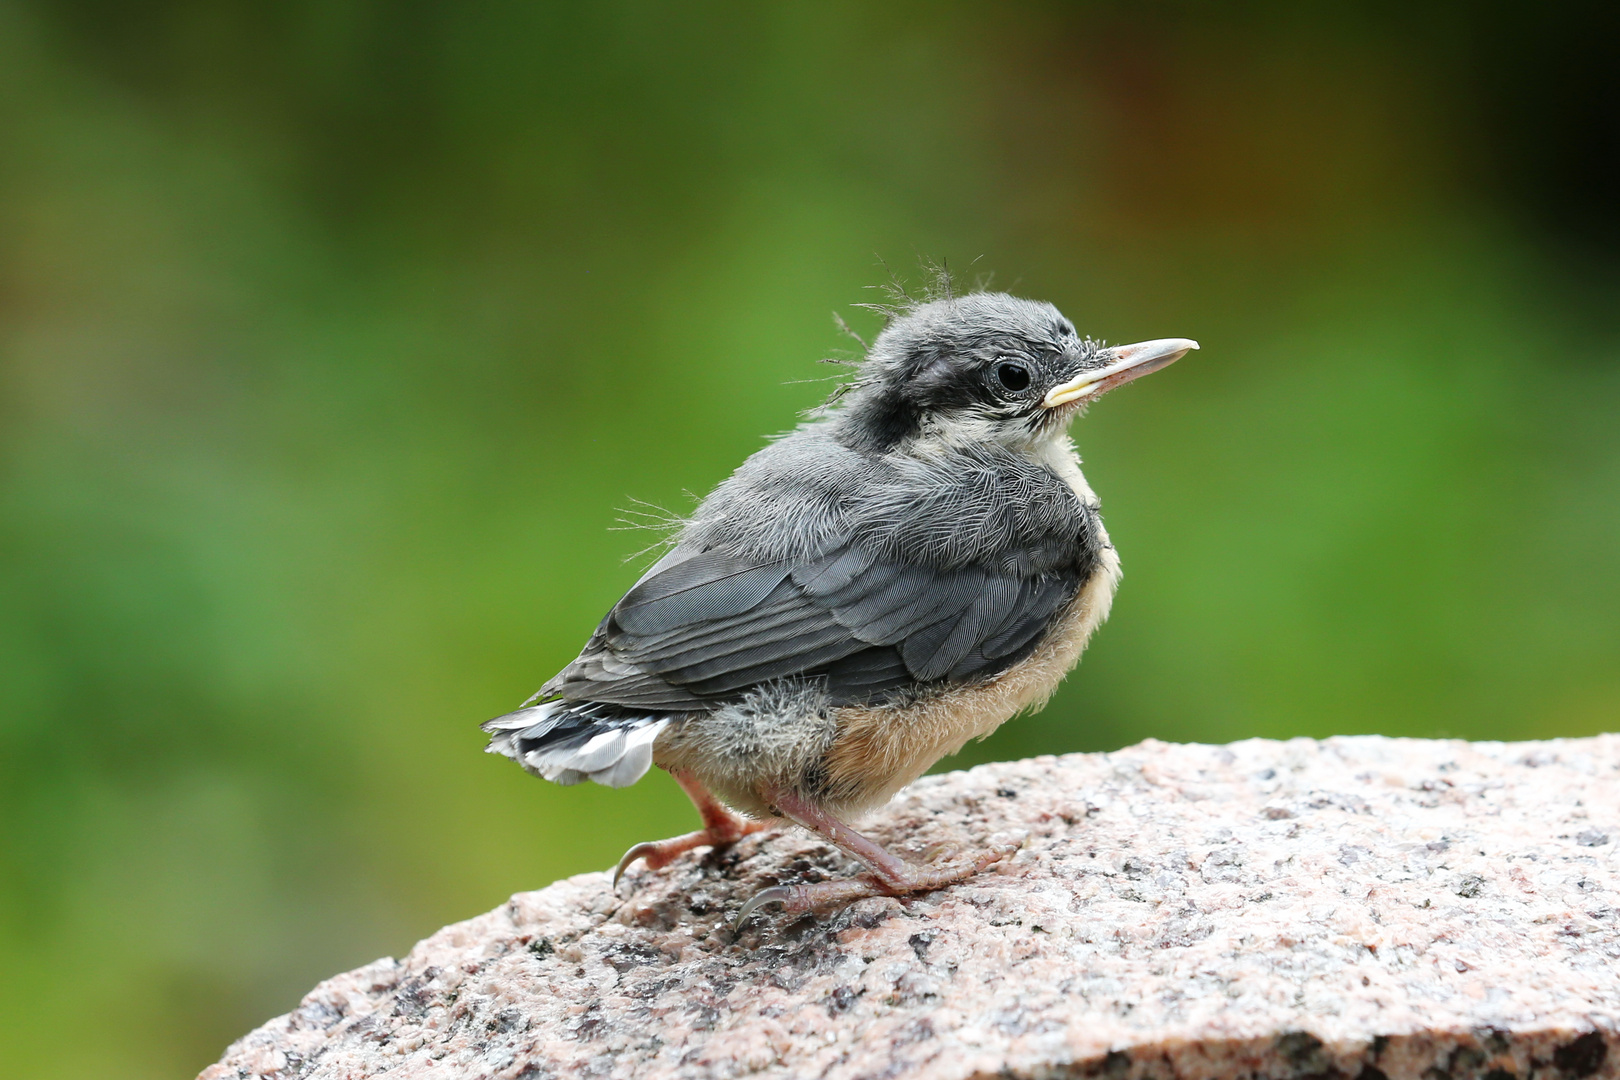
[[776, 894], [639, 851]]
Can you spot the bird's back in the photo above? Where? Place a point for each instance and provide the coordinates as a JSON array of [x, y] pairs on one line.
[[839, 578]]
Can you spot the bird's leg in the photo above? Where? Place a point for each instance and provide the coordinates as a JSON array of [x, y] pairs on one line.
[[890, 876], [720, 827]]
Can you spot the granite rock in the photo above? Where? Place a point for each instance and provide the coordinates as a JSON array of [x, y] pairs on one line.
[[1361, 907]]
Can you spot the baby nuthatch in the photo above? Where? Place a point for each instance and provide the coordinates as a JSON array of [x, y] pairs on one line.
[[904, 572]]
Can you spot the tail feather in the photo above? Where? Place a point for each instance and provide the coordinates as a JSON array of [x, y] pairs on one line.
[[568, 742]]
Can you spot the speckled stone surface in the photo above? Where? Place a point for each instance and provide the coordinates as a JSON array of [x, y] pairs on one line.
[[1360, 908]]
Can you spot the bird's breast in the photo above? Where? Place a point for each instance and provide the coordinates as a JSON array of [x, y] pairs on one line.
[[881, 749]]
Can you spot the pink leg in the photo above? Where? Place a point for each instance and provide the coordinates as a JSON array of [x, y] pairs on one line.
[[720, 827], [889, 875]]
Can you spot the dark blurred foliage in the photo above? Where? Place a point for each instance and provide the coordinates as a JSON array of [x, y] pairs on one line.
[[334, 338], [1549, 113]]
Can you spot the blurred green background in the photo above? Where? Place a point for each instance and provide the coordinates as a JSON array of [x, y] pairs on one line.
[[336, 336]]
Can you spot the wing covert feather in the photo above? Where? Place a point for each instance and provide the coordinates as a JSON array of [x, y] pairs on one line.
[[710, 626]]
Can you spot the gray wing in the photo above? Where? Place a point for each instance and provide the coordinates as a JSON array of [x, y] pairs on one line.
[[702, 630]]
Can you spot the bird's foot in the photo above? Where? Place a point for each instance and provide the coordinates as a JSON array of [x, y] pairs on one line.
[[660, 853], [897, 882]]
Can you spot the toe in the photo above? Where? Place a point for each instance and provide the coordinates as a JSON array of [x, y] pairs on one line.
[[798, 898], [648, 851], [776, 894]]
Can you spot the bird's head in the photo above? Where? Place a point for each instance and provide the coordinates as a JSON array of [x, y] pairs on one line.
[[985, 368]]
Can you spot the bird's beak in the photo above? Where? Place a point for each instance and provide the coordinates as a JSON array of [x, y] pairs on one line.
[[1127, 362]]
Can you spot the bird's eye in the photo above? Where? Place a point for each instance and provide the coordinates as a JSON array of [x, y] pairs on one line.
[[1014, 377]]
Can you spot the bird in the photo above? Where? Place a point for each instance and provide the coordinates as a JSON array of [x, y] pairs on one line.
[[914, 564]]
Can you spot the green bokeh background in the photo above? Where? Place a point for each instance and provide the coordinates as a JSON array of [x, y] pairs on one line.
[[336, 336]]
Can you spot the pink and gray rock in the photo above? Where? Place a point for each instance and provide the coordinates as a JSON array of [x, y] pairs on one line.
[[1356, 908]]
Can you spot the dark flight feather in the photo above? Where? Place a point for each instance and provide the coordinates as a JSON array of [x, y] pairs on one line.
[[705, 589]]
